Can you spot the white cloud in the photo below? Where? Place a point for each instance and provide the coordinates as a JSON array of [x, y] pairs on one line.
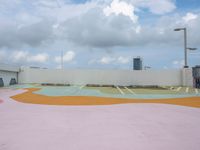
[[189, 16], [26, 19], [67, 57], [109, 60], [61, 10], [159, 7], [46, 3], [120, 7], [106, 60], [178, 63], [123, 60], [19, 55], [25, 56], [175, 62], [41, 58], [2, 55], [83, 24]]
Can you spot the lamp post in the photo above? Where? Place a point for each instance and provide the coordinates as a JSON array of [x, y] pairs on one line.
[[185, 44]]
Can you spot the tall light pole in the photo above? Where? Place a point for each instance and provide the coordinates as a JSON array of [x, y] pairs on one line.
[[185, 44]]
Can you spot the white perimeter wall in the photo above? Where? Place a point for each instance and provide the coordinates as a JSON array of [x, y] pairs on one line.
[[7, 75], [107, 77]]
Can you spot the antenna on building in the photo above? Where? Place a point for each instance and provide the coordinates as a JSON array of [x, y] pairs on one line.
[[62, 59]]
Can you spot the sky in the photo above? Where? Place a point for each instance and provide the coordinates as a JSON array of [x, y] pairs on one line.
[[98, 34]]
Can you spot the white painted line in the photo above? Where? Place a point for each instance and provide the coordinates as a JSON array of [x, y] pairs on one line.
[[196, 91], [82, 86], [130, 90], [187, 90], [120, 90], [178, 89]]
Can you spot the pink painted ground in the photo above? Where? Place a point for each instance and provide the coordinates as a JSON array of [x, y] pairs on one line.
[[116, 127]]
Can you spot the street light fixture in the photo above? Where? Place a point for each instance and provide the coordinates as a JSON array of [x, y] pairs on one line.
[[179, 29], [185, 44], [192, 49]]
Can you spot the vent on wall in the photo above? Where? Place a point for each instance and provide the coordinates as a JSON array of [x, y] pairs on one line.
[[13, 81], [1, 82]]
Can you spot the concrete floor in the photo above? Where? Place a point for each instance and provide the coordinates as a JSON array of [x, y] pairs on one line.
[[115, 127]]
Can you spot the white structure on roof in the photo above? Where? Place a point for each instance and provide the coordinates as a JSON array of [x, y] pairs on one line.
[[7, 73], [187, 79]]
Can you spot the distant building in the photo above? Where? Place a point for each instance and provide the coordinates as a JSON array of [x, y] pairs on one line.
[[137, 63], [196, 76]]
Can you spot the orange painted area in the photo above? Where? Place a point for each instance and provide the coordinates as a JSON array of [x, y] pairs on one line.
[[30, 97]]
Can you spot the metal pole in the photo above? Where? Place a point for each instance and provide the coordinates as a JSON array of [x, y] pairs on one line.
[[185, 46]]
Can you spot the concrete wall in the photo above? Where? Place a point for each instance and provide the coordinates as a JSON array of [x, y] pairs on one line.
[[107, 77], [7, 75]]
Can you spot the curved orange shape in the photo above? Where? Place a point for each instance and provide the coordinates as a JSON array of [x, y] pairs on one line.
[[30, 97]]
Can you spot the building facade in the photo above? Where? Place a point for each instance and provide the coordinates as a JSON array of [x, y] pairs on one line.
[[137, 63]]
